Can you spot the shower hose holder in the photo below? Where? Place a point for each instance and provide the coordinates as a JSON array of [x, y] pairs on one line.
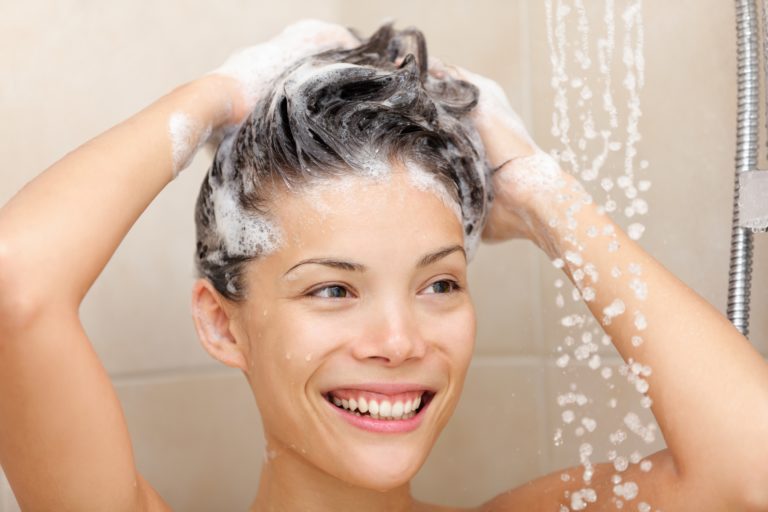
[[753, 200]]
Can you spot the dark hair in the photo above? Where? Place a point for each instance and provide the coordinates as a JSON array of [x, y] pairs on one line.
[[329, 115]]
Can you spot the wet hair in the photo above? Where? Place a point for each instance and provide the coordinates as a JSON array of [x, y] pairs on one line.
[[341, 112]]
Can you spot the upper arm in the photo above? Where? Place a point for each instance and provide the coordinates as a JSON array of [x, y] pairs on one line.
[[661, 488], [64, 442]]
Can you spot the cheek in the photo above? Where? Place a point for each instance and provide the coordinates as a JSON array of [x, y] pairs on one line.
[[285, 337], [288, 347], [279, 356], [455, 335]]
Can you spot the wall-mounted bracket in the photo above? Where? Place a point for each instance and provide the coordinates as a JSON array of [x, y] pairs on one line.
[[753, 200]]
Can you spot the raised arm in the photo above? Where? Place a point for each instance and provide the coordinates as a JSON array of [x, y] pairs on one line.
[[64, 444], [708, 386]]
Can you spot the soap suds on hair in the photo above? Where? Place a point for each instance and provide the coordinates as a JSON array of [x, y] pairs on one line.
[[343, 112], [243, 234], [427, 182]]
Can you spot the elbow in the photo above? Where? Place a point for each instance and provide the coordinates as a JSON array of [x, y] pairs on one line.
[[17, 305], [755, 500], [754, 496]]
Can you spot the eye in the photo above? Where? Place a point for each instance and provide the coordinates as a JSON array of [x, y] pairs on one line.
[[334, 291], [443, 286]]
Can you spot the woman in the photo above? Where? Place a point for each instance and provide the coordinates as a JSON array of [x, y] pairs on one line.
[[340, 289]]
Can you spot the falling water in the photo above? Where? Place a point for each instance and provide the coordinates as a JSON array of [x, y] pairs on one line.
[[598, 72]]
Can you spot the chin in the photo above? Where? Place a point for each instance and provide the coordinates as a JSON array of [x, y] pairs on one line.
[[386, 476], [382, 464]]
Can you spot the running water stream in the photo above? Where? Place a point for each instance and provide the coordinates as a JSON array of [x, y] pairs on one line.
[[598, 72]]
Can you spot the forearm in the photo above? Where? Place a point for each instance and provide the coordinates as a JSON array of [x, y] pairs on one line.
[[59, 231], [708, 386]]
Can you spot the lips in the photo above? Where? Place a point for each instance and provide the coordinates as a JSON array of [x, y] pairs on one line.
[[381, 408]]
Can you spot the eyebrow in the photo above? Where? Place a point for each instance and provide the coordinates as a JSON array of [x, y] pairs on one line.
[[440, 254], [426, 260]]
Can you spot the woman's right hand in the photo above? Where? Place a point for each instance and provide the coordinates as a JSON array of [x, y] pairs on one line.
[[247, 74], [502, 130], [526, 180]]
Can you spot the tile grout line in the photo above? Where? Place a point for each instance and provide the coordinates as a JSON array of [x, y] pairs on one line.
[[542, 416], [162, 374]]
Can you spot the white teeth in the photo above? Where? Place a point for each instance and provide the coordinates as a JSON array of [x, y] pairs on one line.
[[385, 409]]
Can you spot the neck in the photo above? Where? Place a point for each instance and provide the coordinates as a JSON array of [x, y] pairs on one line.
[[289, 482]]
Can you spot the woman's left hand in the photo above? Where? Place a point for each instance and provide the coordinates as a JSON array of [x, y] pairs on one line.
[[527, 180]]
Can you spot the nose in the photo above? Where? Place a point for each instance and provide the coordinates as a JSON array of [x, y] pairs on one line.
[[391, 336]]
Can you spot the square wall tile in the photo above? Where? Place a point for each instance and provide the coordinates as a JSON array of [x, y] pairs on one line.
[[687, 130], [197, 438], [491, 445]]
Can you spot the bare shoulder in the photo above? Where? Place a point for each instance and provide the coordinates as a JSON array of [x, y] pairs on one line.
[[656, 487]]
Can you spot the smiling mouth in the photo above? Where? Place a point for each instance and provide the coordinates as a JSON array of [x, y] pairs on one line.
[[399, 407]]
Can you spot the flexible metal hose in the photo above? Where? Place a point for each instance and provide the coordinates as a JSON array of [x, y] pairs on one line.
[[739, 276]]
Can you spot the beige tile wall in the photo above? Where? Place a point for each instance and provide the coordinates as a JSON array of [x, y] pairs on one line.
[[76, 68]]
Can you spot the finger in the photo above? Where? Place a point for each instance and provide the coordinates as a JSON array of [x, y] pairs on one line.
[[440, 69]]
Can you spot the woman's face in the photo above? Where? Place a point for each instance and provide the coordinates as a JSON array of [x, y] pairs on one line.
[[364, 305]]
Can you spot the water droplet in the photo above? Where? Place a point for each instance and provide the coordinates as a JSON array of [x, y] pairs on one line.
[[635, 231], [640, 322], [589, 424], [573, 257], [558, 437]]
